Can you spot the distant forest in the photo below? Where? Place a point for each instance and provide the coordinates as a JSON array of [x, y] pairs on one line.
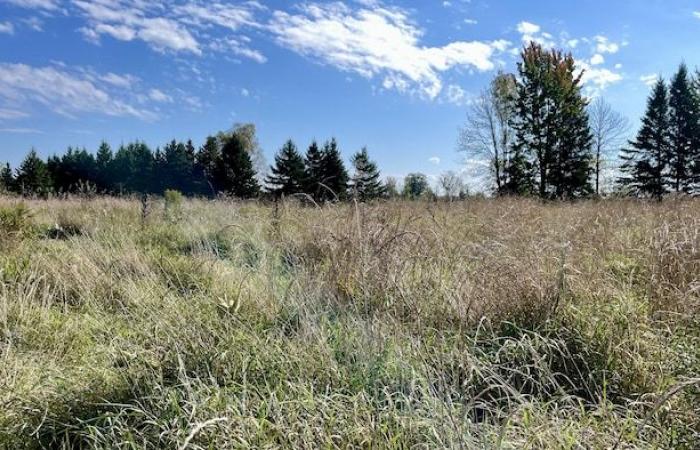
[[542, 137]]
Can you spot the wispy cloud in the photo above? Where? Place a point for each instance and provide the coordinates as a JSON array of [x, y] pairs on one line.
[[7, 28], [49, 5], [377, 41], [63, 92]]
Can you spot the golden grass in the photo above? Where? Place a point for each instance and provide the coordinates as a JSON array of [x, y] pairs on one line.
[[479, 324]]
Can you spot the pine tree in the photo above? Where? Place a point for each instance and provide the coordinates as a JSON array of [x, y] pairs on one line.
[[334, 177], [177, 168], [365, 183], [7, 179], [313, 163], [646, 160], [684, 128], [33, 176], [235, 173], [288, 175], [207, 161], [551, 123], [103, 163], [518, 175]]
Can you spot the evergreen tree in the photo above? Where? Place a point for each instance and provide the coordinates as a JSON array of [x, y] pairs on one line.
[[235, 173], [646, 160], [551, 123], [177, 168], [365, 183], [71, 171], [103, 164], [313, 163], [684, 131], [518, 175], [415, 186], [207, 161], [288, 175], [134, 167], [7, 179], [334, 176], [33, 176]]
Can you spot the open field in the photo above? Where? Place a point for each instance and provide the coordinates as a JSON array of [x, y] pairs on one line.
[[479, 324]]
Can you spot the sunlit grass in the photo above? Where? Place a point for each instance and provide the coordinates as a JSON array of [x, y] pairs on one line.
[[478, 324]]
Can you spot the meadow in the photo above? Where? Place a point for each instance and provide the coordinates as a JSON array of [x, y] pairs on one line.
[[487, 323]]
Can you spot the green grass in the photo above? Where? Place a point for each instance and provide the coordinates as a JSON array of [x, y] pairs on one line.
[[483, 324]]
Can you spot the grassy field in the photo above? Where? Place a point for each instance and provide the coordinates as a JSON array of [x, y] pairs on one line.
[[480, 324]]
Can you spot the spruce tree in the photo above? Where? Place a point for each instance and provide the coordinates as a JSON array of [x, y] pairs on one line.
[[334, 176], [551, 123], [7, 179], [235, 173], [365, 183], [33, 176], [207, 161], [103, 163], [177, 168], [684, 131], [646, 160], [313, 163], [288, 175]]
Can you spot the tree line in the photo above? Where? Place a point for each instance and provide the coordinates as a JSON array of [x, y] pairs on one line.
[[224, 165], [543, 137]]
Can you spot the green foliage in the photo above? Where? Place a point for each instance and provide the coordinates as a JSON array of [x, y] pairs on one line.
[[365, 183], [684, 131], [7, 179], [235, 174], [645, 167], [288, 174], [15, 222], [551, 126], [334, 177], [33, 176], [415, 186]]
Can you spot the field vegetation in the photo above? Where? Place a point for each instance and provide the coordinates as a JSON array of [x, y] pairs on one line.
[[505, 323]]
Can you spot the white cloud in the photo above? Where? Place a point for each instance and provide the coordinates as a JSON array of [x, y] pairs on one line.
[[650, 80], [159, 96], [597, 78], [376, 41], [6, 114], [456, 95], [21, 130], [63, 92], [696, 14], [7, 28], [48, 5], [603, 45], [245, 92], [238, 48], [435, 160], [528, 28], [597, 59], [172, 26], [531, 32], [471, 21], [122, 81]]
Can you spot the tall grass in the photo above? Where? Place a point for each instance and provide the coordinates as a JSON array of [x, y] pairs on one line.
[[482, 324]]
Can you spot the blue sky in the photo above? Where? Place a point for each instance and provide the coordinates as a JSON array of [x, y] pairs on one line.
[[395, 76]]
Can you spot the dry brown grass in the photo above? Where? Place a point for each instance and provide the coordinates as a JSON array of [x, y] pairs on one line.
[[482, 324]]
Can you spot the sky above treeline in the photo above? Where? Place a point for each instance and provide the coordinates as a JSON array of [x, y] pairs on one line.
[[395, 76]]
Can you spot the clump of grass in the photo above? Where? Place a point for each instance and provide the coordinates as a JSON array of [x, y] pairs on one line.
[[15, 222]]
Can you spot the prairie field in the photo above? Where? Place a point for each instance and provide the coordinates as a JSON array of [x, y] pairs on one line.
[[504, 323]]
